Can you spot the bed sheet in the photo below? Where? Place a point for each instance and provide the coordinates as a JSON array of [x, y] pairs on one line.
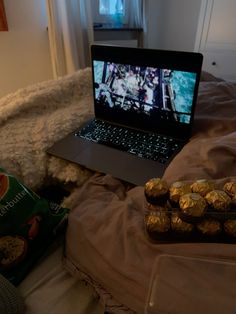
[[49, 288]]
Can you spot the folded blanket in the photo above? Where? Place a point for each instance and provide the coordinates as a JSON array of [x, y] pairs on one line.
[[34, 118]]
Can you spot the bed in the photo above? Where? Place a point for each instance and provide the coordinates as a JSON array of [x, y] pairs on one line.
[[104, 261]]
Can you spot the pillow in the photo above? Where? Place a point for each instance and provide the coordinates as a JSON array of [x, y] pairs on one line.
[[28, 224]]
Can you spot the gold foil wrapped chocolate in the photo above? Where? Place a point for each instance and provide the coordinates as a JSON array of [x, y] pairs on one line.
[[156, 191], [155, 208], [178, 189], [230, 188], [233, 201], [178, 225], [218, 200], [209, 227], [157, 222], [230, 227], [192, 204], [202, 187]]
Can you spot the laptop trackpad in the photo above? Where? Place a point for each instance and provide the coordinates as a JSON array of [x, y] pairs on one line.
[[119, 164]]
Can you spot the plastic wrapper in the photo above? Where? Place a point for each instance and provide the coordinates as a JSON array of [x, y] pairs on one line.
[[202, 187], [180, 284], [192, 206], [156, 191], [218, 200], [193, 218], [28, 225], [177, 189], [230, 188]]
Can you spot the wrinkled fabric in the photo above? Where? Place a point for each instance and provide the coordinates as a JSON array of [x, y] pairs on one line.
[[106, 241]]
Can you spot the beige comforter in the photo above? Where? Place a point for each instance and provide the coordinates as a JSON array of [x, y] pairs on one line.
[[106, 242], [33, 118], [211, 153]]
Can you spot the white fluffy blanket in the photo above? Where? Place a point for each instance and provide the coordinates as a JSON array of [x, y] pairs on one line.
[[33, 118]]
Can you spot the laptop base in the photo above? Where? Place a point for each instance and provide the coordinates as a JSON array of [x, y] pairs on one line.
[[108, 160]]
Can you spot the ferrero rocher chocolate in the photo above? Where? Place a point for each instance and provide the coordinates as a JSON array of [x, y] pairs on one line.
[[218, 200], [230, 188], [192, 204], [209, 227], [233, 200], [202, 187], [178, 225], [156, 191], [230, 227], [157, 222], [178, 189], [155, 208]]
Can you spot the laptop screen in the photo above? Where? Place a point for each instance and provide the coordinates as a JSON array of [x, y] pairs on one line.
[[145, 93]]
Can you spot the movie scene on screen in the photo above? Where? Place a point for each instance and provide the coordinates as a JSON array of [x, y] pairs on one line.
[[165, 94]]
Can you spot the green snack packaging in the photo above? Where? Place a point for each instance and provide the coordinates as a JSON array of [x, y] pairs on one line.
[[28, 225]]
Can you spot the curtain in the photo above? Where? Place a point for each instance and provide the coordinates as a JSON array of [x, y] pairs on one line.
[[70, 30], [104, 5], [135, 13]]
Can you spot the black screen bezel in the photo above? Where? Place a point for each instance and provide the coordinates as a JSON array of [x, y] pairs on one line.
[[172, 60]]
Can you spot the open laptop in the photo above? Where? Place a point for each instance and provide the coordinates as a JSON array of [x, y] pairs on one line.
[[144, 101]]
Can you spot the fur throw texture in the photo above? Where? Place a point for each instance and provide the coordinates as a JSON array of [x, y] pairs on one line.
[[34, 118]]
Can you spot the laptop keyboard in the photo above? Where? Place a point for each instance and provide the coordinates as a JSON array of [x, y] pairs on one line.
[[145, 145]]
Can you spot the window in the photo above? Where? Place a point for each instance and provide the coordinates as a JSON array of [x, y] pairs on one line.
[[111, 7], [118, 13], [112, 12]]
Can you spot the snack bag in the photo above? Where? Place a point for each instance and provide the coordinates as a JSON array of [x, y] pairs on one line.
[[28, 224]]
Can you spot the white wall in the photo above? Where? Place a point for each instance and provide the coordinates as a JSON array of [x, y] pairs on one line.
[[24, 49], [154, 23], [172, 24]]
